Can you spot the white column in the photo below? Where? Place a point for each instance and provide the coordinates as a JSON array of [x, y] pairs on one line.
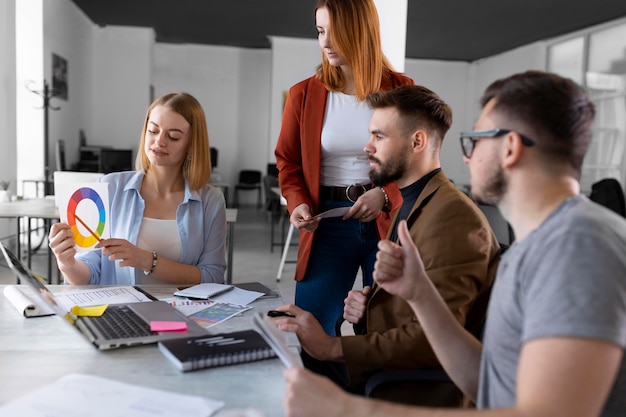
[[393, 18]]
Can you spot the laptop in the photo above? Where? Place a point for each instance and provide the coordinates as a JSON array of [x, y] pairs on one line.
[[121, 324]]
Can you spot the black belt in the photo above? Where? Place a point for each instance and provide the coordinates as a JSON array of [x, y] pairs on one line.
[[350, 193]]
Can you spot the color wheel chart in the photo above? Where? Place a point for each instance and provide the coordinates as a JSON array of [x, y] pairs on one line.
[[87, 203]]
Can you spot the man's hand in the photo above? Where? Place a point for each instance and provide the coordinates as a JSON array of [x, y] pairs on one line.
[[311, 334], [310, 395], [399, 268], [355, 304]]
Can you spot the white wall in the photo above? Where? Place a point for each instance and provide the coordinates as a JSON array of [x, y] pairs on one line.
[[8, 151], [449, 80], [122, 73], [29, 75], [254, 111], [68, 33], [293, 60], [7, 92], [211, 74]]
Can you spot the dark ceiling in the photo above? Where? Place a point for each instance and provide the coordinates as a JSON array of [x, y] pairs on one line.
[[436, 29]]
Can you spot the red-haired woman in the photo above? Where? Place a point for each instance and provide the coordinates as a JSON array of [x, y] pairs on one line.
[[322, 164]]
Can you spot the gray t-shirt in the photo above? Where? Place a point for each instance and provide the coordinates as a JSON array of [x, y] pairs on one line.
[[566, 278]]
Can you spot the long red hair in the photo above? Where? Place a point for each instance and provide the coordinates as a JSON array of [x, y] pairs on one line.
[[355, 36]]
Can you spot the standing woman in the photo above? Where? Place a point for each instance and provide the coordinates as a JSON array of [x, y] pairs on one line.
[[322, 164], [167, 224]]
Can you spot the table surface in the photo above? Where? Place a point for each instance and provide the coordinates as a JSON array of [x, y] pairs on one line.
[[37, 351]]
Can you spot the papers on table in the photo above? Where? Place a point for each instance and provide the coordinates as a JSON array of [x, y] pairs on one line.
[[78, 395], [225, 293], [31, 306], [98, 296]]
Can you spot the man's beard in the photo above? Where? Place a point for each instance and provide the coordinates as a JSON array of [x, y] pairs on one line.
[[387, 172], [493, 190]]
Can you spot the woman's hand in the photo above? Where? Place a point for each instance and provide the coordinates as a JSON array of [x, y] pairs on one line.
[[124, 251], [301, 218], [61, 242]]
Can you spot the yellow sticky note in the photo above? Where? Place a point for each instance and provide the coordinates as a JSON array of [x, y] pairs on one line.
[[94, 311]]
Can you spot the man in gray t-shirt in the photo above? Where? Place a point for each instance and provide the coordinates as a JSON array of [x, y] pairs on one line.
[[562, 280], [555, 335]]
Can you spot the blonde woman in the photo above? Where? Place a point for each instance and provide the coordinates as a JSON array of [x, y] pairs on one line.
[[167, 224]]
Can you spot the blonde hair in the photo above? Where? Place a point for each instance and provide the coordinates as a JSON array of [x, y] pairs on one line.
[[197, 167], [355, 36]]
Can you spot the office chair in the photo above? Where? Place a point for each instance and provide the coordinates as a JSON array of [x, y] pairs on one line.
[[249, 180], [214, 154], [608, 192]]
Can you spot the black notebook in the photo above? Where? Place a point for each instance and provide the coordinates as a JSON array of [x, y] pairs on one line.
[[193, 353]]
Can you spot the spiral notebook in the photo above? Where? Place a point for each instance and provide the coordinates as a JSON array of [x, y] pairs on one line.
[[193, 353]]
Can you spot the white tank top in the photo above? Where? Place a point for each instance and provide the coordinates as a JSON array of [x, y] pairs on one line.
[[345, 133], [161, 236]]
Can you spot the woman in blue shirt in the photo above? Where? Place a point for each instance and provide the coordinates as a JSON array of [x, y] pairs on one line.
[[167, 224]]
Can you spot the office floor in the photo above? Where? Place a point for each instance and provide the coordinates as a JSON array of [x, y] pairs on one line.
[[252, 259]]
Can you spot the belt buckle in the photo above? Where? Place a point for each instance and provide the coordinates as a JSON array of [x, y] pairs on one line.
[[354, 186]]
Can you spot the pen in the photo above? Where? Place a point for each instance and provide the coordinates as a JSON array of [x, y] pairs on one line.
[[87, 227], [276, 313]]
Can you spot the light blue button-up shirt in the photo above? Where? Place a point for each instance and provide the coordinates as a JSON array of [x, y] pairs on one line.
[[201, 221]]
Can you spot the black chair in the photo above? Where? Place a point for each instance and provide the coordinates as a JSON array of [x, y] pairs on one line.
[[213, 157], [249, 180], [608, 192], [272, 200]]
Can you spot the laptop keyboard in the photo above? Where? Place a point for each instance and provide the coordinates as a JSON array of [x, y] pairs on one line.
[[120, 322]]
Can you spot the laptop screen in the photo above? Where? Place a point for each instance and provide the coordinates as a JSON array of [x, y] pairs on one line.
[[41, 291]]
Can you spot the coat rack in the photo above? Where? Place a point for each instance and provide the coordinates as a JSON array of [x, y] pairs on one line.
[[47, 93]]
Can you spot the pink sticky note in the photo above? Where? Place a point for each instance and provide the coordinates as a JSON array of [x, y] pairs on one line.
[[168, 326]]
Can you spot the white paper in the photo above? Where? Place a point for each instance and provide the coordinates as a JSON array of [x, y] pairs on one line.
[[336, 212], [238, 296], [78, 395], [99, 296], [24, 304], [204, 291], [233, 295], [89, 201]]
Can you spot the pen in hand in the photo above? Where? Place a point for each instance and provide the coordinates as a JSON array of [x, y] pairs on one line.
[[276, 313]]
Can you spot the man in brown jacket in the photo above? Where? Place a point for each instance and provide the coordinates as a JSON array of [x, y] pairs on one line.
[[458, 247]]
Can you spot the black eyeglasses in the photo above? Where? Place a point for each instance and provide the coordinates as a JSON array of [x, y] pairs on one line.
[[468, 139]]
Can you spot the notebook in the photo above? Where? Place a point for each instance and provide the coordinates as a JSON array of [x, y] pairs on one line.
[[204, 291], [222, 349], [120, 325]]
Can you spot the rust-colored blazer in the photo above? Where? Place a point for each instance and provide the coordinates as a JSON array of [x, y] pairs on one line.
[[299, 155], [460, 254]]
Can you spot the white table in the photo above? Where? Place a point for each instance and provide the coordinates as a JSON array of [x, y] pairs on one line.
[[37, 351]]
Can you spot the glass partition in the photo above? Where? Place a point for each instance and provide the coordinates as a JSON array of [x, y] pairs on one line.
[[597, 61]]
